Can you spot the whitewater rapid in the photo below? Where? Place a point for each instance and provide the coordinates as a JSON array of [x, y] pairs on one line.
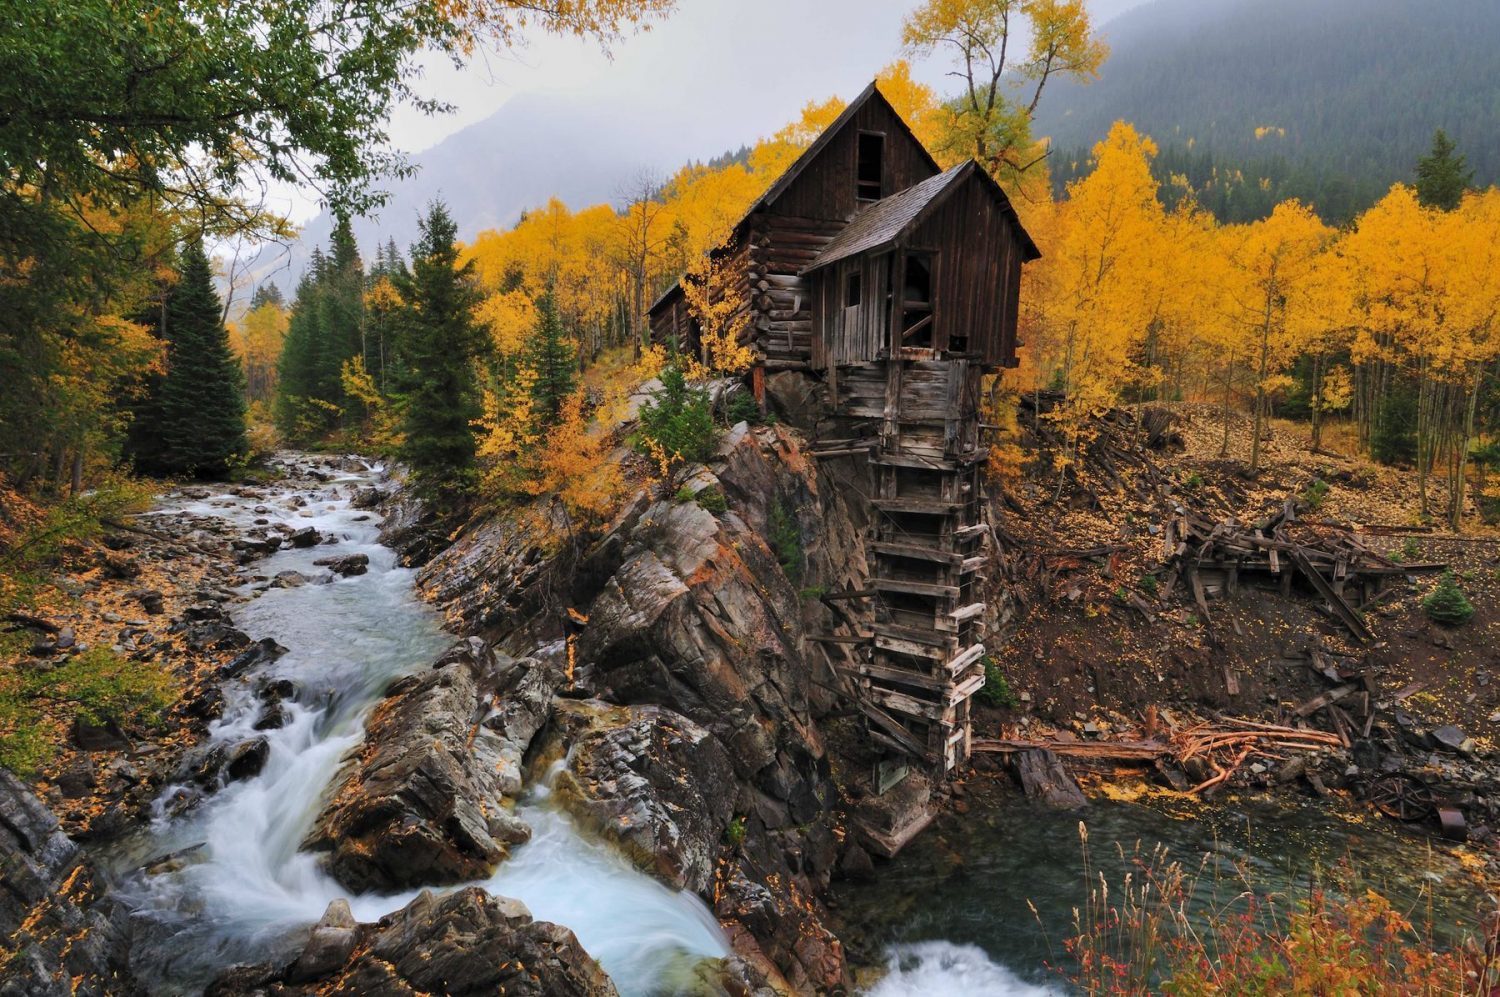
[[230, 884]]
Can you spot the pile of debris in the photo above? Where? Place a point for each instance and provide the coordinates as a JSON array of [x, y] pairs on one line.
[[1212, 559]]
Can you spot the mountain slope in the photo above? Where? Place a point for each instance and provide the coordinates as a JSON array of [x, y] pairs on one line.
[[531, 149], [1349, 86]]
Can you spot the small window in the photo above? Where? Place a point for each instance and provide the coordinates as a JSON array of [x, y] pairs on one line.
[[870, 168], [852, 295]]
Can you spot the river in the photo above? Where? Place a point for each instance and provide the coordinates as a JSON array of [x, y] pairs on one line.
[[951, 914]]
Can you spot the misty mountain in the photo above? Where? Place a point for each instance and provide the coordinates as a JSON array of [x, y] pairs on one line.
[[531, 149], [1339, 88]]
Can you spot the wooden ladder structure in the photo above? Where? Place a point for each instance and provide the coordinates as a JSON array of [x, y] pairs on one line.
[[925, 558]]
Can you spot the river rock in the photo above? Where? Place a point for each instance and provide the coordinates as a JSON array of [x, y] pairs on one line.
[[246, 759], [305, 537], [261, 652], [367, 498], [59, 940], [350, 564], [653, 782], [466, 943], [425, 800], [330, 945]]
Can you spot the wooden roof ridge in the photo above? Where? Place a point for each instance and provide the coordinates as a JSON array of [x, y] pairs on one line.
[[808, 155]]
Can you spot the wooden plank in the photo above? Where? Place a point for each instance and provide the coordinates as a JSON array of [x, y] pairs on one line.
[[902, 703], [925, 507], [914, 588], [915, 551], [965, 689], [891, 673], [908, 647], [965, 659], [1321, 700], [893, 729], [967, 612], [1336, 602]]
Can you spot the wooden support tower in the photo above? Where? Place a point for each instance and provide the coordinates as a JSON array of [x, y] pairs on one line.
[[925, 552]]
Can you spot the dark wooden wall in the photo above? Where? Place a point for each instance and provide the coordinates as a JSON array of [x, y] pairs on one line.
[[825, 187], [978, 279]]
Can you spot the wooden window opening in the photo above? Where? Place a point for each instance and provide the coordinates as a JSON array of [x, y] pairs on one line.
[[869, 172]]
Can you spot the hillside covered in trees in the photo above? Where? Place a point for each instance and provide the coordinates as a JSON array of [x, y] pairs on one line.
[[1258, 100]]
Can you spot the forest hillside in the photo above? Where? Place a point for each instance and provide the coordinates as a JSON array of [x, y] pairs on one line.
[[1332, 101]]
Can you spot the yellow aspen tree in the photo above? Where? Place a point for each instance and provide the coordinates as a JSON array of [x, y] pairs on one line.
[[715, 301], [1269, 263], [1100, 302]]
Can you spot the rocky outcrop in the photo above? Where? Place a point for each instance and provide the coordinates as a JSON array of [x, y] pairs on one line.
[[652, 781], [57, 939], [695, 616], [466, 943], [425, 800]]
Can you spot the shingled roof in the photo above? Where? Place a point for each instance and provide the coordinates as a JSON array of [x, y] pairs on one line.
[[885, 222]]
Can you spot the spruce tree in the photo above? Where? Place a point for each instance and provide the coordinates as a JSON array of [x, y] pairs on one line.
[[555, 361], [439, 341], [341, 300], [201, 405], [1442, 177], [296, 375]]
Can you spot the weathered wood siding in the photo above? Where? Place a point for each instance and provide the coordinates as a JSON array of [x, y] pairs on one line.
[[978, 278], [826, 189], [851, 335]]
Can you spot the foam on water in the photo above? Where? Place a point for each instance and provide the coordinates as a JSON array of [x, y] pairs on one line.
[[942, 969]]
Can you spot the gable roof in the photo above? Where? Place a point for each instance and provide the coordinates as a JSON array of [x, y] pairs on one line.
[[885, 222], [808, 156], [871, 92]]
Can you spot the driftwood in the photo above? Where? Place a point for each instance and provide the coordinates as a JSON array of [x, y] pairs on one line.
[[1223, 746], [1043, 778]]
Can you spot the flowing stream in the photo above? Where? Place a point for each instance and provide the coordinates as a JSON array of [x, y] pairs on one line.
[[224, 882]]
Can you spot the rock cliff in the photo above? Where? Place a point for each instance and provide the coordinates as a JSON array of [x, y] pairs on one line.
[[689, 726]]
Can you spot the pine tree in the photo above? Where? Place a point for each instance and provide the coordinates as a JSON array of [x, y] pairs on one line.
[[201, 404], [1442, 177], [555, 361], [341, 302], [295, 369], [439, 343]]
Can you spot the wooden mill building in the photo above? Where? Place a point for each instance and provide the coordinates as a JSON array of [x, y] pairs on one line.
[[898, 284]]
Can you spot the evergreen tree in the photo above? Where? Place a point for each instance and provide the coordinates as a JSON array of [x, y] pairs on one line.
[[555, 361], [341, 300], [266, 294], [201, 405], [1442, 177], [439, 343], [296, 377]]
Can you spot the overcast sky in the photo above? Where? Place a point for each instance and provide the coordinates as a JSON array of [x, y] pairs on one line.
[[734, 69]]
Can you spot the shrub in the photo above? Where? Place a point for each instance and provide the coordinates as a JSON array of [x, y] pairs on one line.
[[735, 832], [713, 500], [742, 407], [996, 690], [786, 541], [1446, 603], [677, 425], [1148, 584], [96, 685], [1315, 493]]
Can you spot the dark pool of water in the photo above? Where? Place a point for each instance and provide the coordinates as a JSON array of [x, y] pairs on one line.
[[972, 880]]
